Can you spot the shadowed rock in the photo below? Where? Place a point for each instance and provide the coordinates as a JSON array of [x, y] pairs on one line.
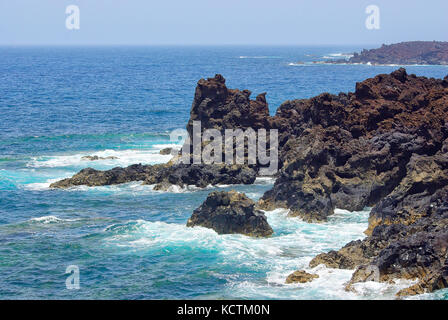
[[91, 177], [162, 175], [351, 150], [231, 212], [408, 231]]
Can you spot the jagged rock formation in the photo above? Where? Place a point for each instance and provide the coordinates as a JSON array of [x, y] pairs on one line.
[[231, 212], [398, 164], [384, 145], [351, 150], [404, 53], [162, 175], [408, 230], [218, 107]]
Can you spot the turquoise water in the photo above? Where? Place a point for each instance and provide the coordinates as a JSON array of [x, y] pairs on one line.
[[129, 241]]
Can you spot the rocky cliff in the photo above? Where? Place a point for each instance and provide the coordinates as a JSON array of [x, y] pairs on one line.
[[385, 145], [351, 150]]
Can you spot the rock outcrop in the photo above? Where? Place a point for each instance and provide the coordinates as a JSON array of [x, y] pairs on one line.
[[408, 231], [166, 151], [162, 175], [218, 107], [301, 276], [229, 213], [404, 53], [351, 150], [384, 146]]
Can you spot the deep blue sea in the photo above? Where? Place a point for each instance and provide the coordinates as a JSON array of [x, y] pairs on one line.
[[58, 104]]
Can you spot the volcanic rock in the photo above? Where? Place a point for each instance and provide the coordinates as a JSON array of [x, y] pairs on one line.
[[162, 175], [218, 107], [231, 212], [385, 146], [404, 53], [301, 276], [351, 150]]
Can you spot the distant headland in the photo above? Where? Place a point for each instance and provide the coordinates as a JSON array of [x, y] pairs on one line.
[[403, 53]]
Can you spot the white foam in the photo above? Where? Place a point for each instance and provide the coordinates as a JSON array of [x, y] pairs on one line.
[[264, 180], [39, 186], [297, 64], [49, 219], [259, 57], [292, 246], [167, 145], [338, 55], [123, 158]]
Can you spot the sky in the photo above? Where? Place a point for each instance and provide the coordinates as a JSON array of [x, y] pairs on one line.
[[221, 22]]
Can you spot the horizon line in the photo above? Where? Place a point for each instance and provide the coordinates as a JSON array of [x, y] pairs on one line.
[[204, 45]]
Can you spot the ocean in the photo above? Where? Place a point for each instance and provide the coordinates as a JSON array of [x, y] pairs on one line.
[[58, 104]]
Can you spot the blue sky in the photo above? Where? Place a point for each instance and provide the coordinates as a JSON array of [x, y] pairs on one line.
[[211, 22]]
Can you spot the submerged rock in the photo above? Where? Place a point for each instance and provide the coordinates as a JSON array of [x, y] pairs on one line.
[[301, 276], [231, 212], [94, 158], [166, 151]]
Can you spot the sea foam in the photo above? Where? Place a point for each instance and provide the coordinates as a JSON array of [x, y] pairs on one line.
[[122, 158], [292, 246]]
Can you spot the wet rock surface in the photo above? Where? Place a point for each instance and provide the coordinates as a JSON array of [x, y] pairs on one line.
[[229, 213], [407, 233], [301, 276], [162, 175]]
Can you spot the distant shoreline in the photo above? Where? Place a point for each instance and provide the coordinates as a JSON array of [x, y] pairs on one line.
[[400, 54], [297, 64]]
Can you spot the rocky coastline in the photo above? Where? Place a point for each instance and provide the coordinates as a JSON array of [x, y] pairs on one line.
[[384, 146], [404, 53]]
